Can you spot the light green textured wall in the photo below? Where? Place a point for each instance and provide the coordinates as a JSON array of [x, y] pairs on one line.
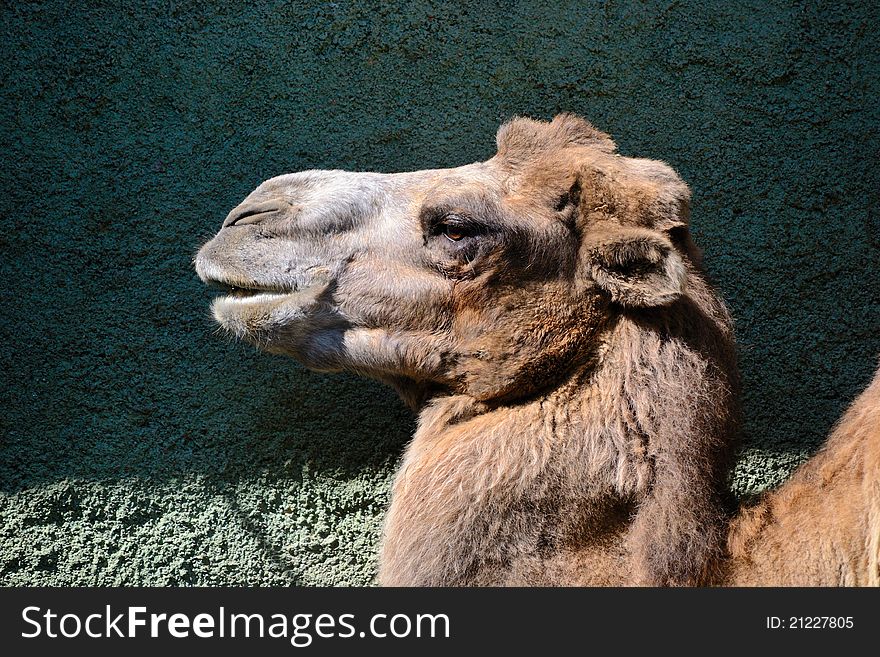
[[139, 447]]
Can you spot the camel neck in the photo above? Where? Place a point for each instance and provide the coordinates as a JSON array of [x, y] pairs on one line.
[[559, 472]]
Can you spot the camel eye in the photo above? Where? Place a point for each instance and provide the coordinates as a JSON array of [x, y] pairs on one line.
[[454, 228], [452, 233]]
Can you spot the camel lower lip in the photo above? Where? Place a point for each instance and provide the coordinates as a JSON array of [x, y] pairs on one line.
[[256, 317], [255, 296], [249, 300]]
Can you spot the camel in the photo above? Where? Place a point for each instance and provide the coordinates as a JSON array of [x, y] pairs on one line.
[[547, 316]]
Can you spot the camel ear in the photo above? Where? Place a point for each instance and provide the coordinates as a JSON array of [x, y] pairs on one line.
[[637, 267]]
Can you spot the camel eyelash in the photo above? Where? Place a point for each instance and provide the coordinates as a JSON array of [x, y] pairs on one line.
[[455, 227]]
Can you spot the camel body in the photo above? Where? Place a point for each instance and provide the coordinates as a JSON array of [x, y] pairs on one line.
[[821, 527]]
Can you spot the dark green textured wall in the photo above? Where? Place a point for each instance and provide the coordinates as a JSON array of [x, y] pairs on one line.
[[139, 447]]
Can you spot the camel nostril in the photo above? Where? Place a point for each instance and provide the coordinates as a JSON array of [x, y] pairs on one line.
[[251, 213]]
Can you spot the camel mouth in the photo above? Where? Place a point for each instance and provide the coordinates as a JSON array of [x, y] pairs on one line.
[[238, 291], [250, 309]]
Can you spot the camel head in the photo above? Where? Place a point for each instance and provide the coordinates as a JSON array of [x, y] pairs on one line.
[[491, 280]]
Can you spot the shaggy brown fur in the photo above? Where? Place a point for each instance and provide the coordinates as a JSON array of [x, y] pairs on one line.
[[546, 314]]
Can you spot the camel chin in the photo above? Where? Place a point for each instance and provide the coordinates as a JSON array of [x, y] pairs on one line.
[[547, 315]]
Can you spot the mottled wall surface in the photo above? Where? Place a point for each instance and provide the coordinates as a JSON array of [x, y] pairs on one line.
[[140, 447]]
